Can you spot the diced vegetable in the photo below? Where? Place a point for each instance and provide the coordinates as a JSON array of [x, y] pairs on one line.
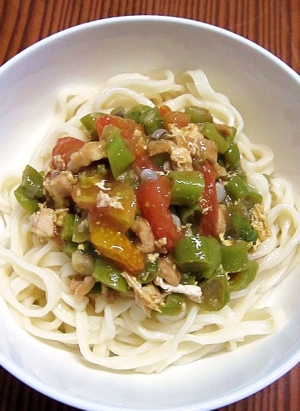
[[117, 247], [80, 230], [232, 157], [237, 189], [89, 122], [198, 254], [107, 274], [92, 175], [210, 131], [119, 154], [187, 187], [64, 148], [30, 191], [209, 201], [173, 305], [154, 198], [235, 257], [177, 118], [149, 117], [67, 230], [241, 280], [149, 272], [199, 114], [215, 292], [29, 204]]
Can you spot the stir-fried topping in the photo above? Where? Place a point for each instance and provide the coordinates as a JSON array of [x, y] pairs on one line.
[[153, 205]]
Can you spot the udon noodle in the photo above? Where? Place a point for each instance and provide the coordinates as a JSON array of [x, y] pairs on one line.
[[35, 276]]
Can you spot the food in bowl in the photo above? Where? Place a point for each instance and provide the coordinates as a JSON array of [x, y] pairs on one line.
[[147, 229]]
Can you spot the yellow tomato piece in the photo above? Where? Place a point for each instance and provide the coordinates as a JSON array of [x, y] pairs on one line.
[[114, 245]]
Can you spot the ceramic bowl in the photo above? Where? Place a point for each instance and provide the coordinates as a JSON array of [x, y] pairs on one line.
[[265, 91]]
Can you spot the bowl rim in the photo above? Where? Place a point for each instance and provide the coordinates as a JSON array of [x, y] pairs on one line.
[[152, 18]]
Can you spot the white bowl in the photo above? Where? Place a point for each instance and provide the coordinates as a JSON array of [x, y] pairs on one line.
[[265, 91]]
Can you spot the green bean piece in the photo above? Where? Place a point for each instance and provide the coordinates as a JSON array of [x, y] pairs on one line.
[[70, 248], [227, 132], [173, 305], [119, 154], [199, 114], [235, 257], [32, 182], [68, 227], [242, 228], [91, 175], [199, 254], [232, 157], [237, 189], [30, 205], [118, 111], [188, 214], [241, 280], [188, 279], [80, 230], [151, 119], [148, 116], [210, 131], [215, 292], [160, 159], [135, 113], [187, 187], [109, 275], [30, 191], [149, 272], [89, 122]]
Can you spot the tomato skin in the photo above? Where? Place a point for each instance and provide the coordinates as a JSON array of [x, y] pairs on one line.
[[64, 148], [113, 244], [154, 197], [127, 126], [177, 118], [209, 201], [164, 110]]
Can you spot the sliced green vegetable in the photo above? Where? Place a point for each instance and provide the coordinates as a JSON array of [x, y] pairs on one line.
[[239, 281], [199, 254], [32, 182], [68, 227], [232, 157], [188, 279], [187, 187], [242, 228], [119, 154], [29, 204], [150, 117], [235, 257], [188, 214], [30, 191], [238, 189], [89, 122], [80, 230], [109, 275], [70, 248], [92, 175], [210, 131], [118, 111], [149, 273], [215, 292], [173, 305], [199, 114]]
